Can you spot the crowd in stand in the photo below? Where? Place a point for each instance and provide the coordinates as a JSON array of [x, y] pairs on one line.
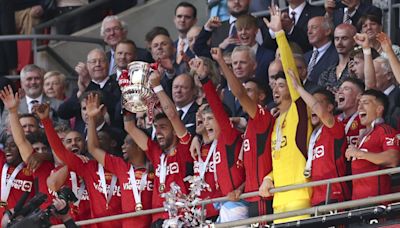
[[247, 104]]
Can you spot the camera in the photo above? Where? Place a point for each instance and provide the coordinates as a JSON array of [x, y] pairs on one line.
[[31, 216]]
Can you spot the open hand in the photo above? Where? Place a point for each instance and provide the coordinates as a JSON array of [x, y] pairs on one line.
[[385, 41], [93, 107], [275, 24]]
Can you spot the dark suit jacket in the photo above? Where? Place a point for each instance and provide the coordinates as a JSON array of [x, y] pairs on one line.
[[217, 36], [71, 107], [299, 33], [188, 52], [233, 104], [393, 113], [363, 9], [190, 118], [329, 58], [141, 55]]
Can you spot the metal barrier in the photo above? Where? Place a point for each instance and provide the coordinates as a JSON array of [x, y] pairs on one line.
[[313, 210], [35, 47], [65, 17]]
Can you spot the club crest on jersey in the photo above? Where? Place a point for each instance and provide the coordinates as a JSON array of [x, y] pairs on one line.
[[354, 125]]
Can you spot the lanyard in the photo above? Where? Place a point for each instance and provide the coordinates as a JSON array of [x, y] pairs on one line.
[[364, 136], [137, 191], [351, 120], [203, 164], [6, 185], [314, 136], [107, 193], [75, 190], [163, 171]]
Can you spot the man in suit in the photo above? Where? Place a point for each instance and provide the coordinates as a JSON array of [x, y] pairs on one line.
[[349, 11], [113, 30], [324, 52], [32, 84], [163, 52], [92, 76], [185, 17], [184, 95], [125, 53], [224, 34], [386, 83]]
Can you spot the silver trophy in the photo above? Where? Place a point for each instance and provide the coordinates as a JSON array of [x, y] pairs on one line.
[[137, 96]]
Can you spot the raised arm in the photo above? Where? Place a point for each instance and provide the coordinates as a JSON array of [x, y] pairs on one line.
[[369, 70], [287, 58], [57, 179], [137, 134], [237, 88], [324, 115], [11, 102], [69, 158], [167, 105], [386, 45], [94, 109]]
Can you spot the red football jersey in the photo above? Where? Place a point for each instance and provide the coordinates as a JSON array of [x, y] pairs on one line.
[[230, 171], [82, 210], [329, 162], [42, 172], [121, 169], [382, 138], [179, 165], [22, 183], [89, 173], [257, 150], [209, 178], [353, 127]]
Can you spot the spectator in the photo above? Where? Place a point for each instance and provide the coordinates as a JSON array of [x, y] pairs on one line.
[[372, 26], [125, 53], [93, 75], [192, 35], [163, 52], [294, 21], [55, 85], [224, 33], [347, 98], [349, 12], [332, 77], [113, 30], [386, 83], [184, 94], [184, 19], [29, 123], [357, 64], [32, 84], [324, 53]]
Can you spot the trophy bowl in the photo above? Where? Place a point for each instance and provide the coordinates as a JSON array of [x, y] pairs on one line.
[[135, 88]]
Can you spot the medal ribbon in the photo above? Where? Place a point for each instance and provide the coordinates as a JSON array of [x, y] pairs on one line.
[[6, 185]]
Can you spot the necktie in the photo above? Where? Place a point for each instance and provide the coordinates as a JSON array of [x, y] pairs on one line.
[[346, 19], [313, 62], [293, 13], [113, 66], [180, 112], [179, 53], [233, 31]]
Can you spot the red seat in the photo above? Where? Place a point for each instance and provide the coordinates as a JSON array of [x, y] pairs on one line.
[[25, 55]]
